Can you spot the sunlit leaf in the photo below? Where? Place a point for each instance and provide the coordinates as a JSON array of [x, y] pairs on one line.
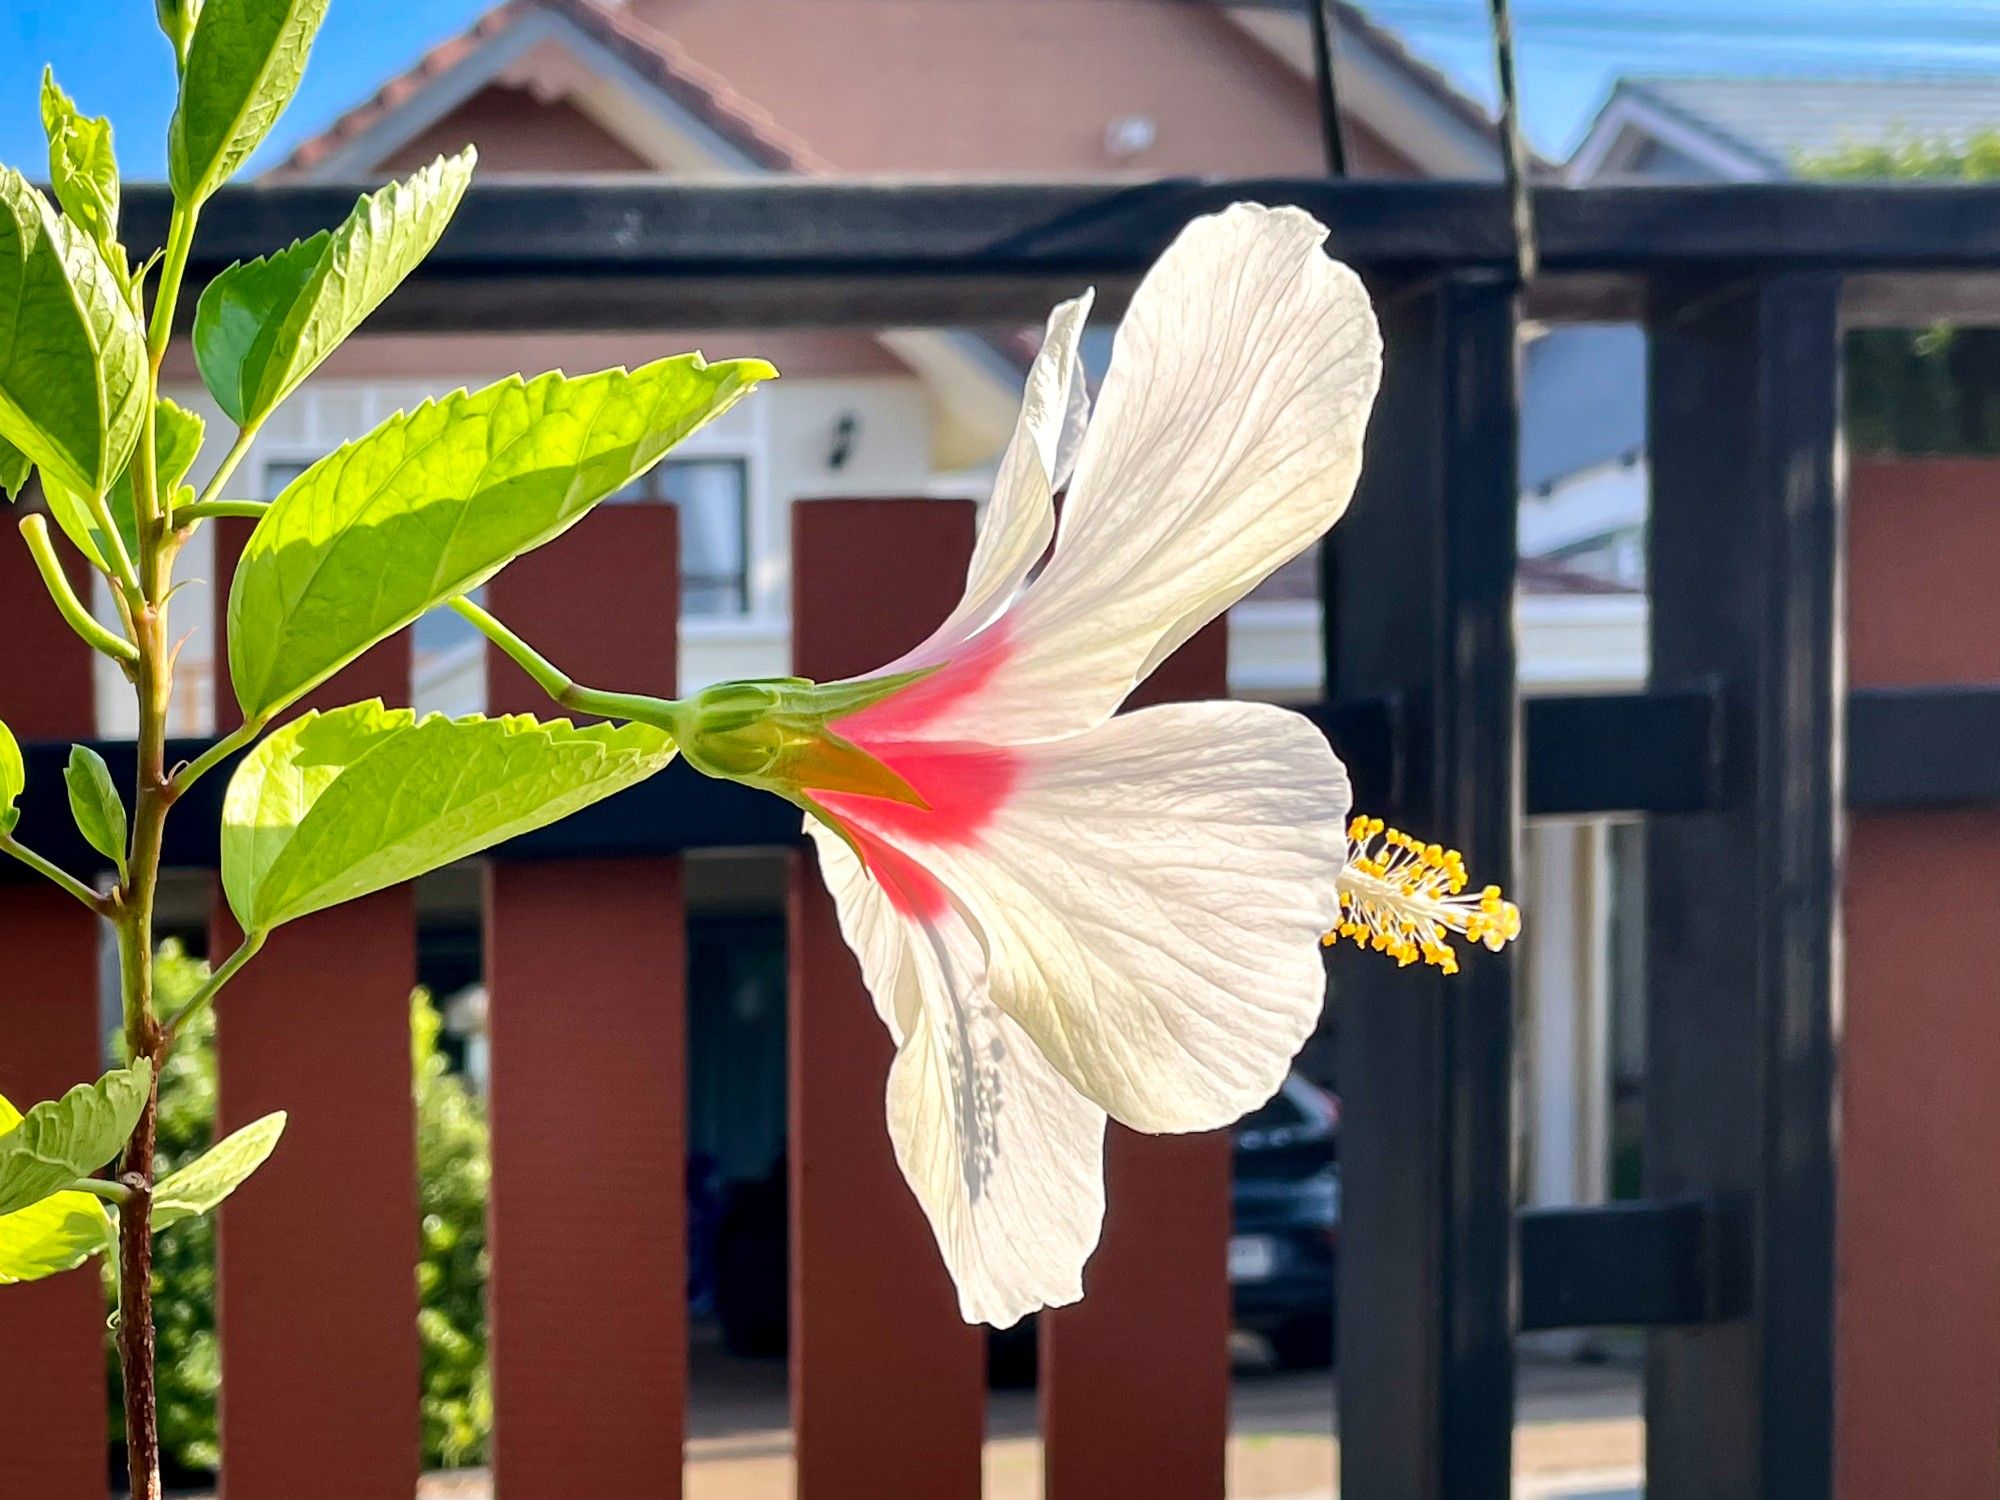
[[333, 806], [57, 1234], [15, 467], [13, 778], [83, 172], [435, 501], [95, 804], [203, 1183], [177, 434], [73, 367], [63, 1139], [243, 65], [264, 325]]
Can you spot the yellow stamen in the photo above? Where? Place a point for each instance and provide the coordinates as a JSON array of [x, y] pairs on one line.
[[1407, 899]]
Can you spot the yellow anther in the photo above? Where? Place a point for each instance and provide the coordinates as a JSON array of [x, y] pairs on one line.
[[1405, 898]]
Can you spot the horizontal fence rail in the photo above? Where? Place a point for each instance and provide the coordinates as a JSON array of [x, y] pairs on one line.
[[568, 254], [1584, 754]]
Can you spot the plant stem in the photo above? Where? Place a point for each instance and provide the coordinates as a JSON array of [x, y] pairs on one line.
[[35, 531], [55, 872], [144, 1035]]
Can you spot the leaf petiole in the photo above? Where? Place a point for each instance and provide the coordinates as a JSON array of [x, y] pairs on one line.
[[215, 510], [55, 873], [225, 972]]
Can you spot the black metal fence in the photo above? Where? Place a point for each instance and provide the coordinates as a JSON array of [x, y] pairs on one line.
[[1741, 753]]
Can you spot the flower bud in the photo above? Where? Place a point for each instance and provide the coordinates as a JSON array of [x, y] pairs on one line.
[[774, 734], [177, 18]]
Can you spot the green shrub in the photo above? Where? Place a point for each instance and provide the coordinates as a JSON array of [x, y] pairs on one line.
[[453, 1172], [1929, 390]]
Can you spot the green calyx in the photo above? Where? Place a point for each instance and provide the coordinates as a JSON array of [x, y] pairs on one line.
[[774, 734]]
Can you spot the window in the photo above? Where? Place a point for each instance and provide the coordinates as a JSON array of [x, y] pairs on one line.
[[712, 495], [279, 473]]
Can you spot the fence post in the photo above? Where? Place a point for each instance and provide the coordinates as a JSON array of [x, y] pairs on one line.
[[1418, 584], [53, 1435], [586, 977], [888, 1386], [1135, 1378], [1742, 984], [320, 1390]]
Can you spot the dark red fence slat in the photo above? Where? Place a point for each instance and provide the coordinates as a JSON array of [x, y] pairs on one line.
[[586, 966], [317, 1257], [1135, 1378], [887, 1384], [52, 1426], [1918, 1311]]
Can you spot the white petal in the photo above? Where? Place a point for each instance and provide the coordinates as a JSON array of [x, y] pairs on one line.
[[1019, 520], [1152, 895], [1227, 438], [1004, 1156], [873, 929]]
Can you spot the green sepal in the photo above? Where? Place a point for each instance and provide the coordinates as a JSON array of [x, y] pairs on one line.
[[774, 734]]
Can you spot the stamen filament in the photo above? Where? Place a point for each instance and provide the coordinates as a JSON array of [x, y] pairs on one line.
[[1406, 898]]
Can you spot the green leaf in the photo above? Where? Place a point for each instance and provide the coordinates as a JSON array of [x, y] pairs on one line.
[[243, 65], [15, 467], [262, 326], [336, 805], [82, 169], [95, 804], [57, 1234], [177, 435], [436, 501], [203, 1183], [72, 353], [13, 778], [63, 1139]]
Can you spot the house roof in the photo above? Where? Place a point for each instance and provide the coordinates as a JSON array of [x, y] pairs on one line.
[[1583, 401], [719, 61], [655, 56], [1766, 124]]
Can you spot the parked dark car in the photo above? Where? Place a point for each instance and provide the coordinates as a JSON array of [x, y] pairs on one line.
[[1285, 1225], [1285, 1230]]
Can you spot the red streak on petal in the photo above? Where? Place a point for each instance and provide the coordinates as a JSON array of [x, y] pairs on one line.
[[965, 783], [905, 715], [911, 889]]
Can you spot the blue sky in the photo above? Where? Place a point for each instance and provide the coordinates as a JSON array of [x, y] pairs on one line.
[[110, 55]]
